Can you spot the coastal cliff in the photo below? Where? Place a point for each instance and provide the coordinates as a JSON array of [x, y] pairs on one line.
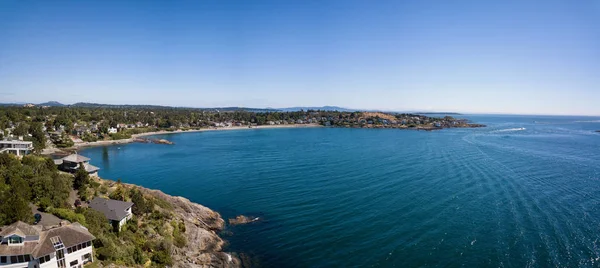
[[202, 248]]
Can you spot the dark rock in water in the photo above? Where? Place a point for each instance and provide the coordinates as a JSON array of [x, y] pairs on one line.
[[598, 131], [241, 219]]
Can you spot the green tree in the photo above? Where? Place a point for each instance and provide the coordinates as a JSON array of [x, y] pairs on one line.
[[142, 206], [82, 178], [38, 136], [21, 129], [96, 222]]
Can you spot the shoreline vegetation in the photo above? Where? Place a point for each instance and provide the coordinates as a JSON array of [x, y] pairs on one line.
[[164, 230]]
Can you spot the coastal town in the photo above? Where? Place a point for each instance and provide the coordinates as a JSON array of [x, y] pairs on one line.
[[65, 127]]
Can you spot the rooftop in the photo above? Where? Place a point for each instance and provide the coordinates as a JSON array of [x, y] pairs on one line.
[[112, 209], [70, 235], [21, 229], [76, 158], [15, 142]]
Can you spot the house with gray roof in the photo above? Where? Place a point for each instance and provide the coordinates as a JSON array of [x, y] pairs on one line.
[[117, 212], [24, 245], [71, 163]]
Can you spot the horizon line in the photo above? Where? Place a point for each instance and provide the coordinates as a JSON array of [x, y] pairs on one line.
[[323, 106]]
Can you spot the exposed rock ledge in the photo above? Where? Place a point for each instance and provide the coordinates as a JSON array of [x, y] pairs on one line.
[[204, 247]]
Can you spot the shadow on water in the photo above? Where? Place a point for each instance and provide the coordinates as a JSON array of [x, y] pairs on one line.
[[105, 157]]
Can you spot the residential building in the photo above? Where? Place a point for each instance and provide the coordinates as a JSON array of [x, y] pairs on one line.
[[16, 147], [112, 130], [24, 245], [117, 212], [72, 163]]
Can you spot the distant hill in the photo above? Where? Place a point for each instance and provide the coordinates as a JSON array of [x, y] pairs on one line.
[[52, 104], [130, 106], [99, 105], [322, 108], [13, 104]]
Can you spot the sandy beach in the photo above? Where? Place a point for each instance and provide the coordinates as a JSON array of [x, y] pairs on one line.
[[133, 137]]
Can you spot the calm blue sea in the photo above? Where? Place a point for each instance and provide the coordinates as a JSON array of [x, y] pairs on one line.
[[524, 191]]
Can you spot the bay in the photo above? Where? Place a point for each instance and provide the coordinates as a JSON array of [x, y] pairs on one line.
[[523, 191]]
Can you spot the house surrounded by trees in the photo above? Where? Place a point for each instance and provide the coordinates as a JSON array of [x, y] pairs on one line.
[[117, 212], [24, 245]]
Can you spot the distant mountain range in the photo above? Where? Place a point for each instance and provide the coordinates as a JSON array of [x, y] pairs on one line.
[[220, 109]]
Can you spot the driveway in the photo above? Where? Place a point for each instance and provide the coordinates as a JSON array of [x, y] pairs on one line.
[[47, 219]]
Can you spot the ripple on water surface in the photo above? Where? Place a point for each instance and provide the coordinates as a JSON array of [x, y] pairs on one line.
[[357, 197]]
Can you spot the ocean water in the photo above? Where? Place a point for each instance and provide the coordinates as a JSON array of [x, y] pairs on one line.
[[522, 192]]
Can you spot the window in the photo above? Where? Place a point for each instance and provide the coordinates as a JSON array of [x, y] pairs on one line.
[[45, 259], [86, 258], [27, 258], [21, 258], [57, 243], [60, 254], [3, 259], [73, 263], [13, 259], [70, 250], [15, 240], [79, 247], [89, 243]]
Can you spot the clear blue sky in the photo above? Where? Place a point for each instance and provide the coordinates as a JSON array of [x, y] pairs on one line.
[[529, 57]]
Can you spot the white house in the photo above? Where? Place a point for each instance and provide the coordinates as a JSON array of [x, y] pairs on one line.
[[117, 212], [112, 130], [24, 245], [16, 147]]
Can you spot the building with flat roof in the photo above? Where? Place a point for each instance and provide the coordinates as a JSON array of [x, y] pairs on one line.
[[16, 147], [24, 245]]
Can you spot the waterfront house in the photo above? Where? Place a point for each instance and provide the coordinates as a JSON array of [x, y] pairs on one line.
[[72, 163], [112, 130], [117, 212], [16, 147], [24, 245]]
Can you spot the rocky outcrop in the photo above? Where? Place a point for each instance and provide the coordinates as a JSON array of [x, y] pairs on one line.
[[241, 219], [204, 247]]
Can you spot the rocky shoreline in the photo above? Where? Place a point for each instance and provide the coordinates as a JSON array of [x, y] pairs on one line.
[[204, 246]]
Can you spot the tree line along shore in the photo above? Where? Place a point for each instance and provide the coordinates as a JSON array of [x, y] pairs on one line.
[[64, 127]]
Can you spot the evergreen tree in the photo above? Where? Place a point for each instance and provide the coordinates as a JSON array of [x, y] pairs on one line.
[[81, 178]]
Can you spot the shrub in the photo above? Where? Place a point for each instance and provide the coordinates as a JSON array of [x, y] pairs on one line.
[[120, 136], [103, 189], [45, 203], [67, 214]]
